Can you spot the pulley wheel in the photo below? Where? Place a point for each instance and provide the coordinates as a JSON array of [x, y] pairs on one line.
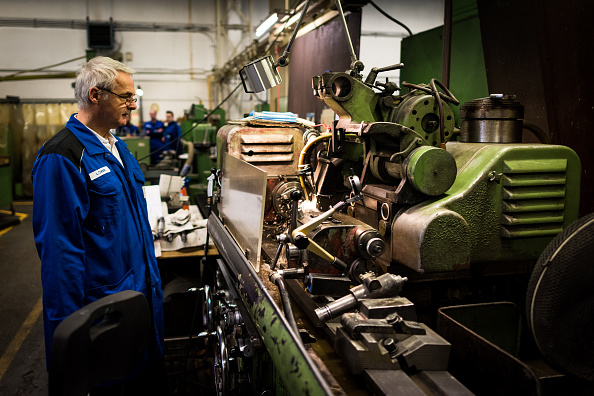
[[431, 170], [560, 300]]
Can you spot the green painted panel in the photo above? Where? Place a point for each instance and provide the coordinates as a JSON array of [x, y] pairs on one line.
[[536, 165], [5, 166], [520, 180], [534, 192], [422, 56], [140, 148]]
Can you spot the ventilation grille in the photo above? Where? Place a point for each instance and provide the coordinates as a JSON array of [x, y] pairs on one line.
[[533, 198], [266, 148]]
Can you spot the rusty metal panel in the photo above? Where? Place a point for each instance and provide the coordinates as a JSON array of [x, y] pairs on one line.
[[254, 158], [274, 149], [267, 138], [266, 148]]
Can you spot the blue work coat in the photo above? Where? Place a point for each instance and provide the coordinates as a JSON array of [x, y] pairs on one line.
[[173, 138], [91, 228], [152, 130]]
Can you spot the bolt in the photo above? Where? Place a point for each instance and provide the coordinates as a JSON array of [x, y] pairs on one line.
[[391, 346], [392, 318]]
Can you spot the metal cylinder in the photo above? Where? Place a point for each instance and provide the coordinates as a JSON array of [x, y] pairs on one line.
[[385, 285], [369, 242], [496, 119]]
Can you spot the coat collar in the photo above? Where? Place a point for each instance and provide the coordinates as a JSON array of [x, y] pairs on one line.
[[87, 138]]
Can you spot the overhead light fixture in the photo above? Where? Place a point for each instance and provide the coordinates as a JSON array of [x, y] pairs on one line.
[[259, 75], [316, 23], [267, 24], [139, 91]]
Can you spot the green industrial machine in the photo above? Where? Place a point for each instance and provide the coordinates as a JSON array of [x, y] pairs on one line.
[[409, 195], [486, 198], [5, 167], [202, 132], [140, 148]]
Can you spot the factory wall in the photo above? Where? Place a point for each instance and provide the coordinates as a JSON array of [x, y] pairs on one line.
[[172, 66]]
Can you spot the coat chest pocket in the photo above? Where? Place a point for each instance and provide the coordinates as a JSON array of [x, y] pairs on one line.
[[138, 176], [105, 206]]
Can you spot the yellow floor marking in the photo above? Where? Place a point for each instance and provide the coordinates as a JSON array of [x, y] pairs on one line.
[[21, 216], [18, 339], [4, 231]]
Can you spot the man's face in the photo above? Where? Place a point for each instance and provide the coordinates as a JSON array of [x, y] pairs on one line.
[[116, 111], [169, 117], [153, 115]]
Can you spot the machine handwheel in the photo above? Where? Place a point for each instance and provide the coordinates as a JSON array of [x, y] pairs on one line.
[[221, 364], [207, 309]]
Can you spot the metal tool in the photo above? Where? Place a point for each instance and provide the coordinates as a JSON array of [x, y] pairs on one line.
[[385, 285]]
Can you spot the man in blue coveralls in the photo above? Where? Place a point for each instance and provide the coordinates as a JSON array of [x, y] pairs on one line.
[[128, 129], [172, 134], [90, 216], [154, 129]]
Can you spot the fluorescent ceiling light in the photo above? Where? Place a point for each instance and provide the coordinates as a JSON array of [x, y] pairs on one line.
[[317, 23], [267, 24]]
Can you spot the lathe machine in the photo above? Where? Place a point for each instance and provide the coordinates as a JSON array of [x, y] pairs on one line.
[[338, 246]]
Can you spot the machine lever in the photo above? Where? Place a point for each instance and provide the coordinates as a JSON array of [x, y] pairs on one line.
[[375, 71]]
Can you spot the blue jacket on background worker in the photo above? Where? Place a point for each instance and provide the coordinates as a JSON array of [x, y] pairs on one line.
[[128, 130], [89, 239], [173, 135], [154, 129]]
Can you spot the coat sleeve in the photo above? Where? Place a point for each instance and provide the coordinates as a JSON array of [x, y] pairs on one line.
[[60, 206]]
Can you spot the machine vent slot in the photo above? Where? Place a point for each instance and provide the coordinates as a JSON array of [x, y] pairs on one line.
[[260, 148], [533, 198]]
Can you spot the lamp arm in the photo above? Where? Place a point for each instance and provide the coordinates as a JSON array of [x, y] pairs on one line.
[[283, 60]]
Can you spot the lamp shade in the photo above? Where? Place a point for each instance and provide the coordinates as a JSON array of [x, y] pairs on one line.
[[259, 75]]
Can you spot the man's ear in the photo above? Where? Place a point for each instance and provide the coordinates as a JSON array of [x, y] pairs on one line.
[[94, 95]]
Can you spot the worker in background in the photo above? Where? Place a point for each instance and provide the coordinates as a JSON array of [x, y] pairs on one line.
[[90, 217], [154, 129], [128, 130], [172, 135]]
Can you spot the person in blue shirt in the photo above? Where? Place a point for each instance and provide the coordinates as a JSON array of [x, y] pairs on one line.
[[127, 130], [154, 129], [172, 135], [90, 218]]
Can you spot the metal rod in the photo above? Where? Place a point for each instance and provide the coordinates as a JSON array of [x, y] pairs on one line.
[[283, 59], [447, 43], [346, 32], [286, 300]]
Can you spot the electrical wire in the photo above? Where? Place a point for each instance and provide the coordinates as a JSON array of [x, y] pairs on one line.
[[43, 68], [390, 17], [301, 162], [433, 84], [439, 96]]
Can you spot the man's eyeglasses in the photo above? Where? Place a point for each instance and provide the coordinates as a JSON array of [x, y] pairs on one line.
[[126, 99]]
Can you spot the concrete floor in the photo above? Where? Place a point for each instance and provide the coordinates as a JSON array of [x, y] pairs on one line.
[[22, 353]]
